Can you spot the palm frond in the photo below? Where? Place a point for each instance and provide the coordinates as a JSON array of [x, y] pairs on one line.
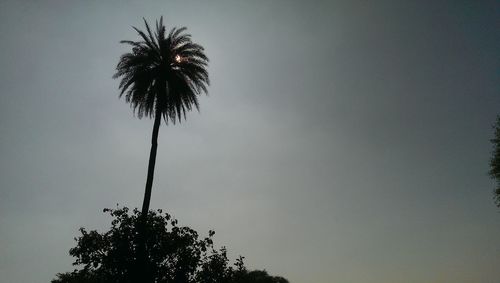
[[163, 74]]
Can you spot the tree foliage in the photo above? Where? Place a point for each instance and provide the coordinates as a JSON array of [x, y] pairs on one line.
[[164, 73], [174, 254], [495, 160]]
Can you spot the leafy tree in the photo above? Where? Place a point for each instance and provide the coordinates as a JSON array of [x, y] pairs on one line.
[[495, 160], [257, 276], [174, 254], [162, 76]]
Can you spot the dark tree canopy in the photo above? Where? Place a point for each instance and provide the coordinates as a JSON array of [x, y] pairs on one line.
[[175, 254], [163, 74], [495, 160]]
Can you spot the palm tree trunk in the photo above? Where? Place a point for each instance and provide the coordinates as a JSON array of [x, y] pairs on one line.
[[151, 166], [142, 272]]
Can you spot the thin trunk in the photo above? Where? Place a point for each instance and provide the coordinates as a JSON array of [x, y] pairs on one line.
[[151, 166], [142, 271]]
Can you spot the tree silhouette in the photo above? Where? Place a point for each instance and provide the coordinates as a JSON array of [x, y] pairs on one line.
[[162, 77], [495, 160], [174, 254]]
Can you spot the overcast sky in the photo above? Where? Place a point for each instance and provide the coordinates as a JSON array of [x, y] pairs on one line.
[[341, 141]]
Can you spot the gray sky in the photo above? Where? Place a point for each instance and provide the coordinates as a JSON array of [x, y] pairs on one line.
[[342, 141]]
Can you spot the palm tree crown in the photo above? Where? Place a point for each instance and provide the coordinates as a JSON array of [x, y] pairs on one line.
[[164, 74]]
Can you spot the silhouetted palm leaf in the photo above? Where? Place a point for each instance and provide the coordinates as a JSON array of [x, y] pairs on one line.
[[163, 74]]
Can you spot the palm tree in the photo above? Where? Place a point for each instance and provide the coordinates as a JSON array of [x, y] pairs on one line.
[[162, 76]]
